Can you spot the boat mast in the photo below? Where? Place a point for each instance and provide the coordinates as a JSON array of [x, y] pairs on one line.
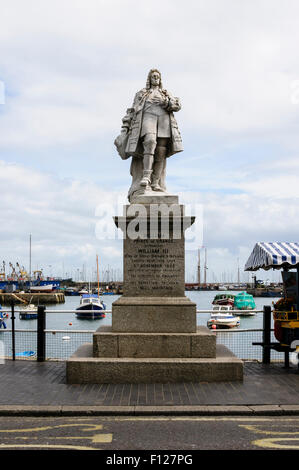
[[98, 276], [205, 268], [198, 269], [29, 260]]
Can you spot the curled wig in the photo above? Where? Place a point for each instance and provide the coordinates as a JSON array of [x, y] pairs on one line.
[[148, 80]]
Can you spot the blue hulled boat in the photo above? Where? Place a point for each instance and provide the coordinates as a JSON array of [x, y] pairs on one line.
[[91, 307], [28, 313]]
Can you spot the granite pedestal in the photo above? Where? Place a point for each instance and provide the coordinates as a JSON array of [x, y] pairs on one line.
[[154, 336]]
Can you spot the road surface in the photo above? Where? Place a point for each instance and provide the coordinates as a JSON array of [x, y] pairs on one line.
[[156, 432]]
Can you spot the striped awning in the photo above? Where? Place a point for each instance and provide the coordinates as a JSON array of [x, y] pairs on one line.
[[273, 255]]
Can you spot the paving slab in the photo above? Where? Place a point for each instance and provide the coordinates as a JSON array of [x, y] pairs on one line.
[[32, 388]]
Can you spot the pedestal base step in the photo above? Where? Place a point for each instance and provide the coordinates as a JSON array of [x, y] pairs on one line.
[[107, 343], [82, 367]]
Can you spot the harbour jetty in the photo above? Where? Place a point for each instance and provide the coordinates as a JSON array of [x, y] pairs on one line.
[[36, 299], [266, 291]]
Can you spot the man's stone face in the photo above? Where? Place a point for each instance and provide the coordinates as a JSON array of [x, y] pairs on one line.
[[155, 79]]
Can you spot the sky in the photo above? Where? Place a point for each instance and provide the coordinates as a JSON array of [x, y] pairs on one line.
[[69, 69]]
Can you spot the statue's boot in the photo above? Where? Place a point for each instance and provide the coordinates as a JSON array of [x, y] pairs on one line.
[[158, 167], [147, 169], [146, 179]]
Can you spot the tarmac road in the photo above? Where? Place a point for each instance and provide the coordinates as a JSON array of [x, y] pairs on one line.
[[156, 432]]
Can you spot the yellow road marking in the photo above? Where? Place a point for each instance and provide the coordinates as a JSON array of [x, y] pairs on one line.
[[102, 438], [85, 427], [92, 427], [45, 446], [264, 431], [278, 442], [96, 438], [280, 439], [273, 444]]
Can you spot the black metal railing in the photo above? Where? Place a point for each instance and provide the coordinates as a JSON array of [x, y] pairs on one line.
[[42, 344]]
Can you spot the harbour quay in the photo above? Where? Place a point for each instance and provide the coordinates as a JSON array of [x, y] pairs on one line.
[[36, 298]]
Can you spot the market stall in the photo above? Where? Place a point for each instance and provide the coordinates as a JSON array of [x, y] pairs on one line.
[[284, 256]]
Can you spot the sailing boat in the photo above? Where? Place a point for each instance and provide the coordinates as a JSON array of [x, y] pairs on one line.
[[91, 306]]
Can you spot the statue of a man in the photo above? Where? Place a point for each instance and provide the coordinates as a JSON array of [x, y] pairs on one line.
[[149, 135]]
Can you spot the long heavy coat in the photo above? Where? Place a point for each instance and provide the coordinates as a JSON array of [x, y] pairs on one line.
[[133, 120]]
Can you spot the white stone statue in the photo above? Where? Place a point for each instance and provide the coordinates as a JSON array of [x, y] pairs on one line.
[[149, 135]]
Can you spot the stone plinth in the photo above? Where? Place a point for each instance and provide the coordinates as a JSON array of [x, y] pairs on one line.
[[154, 249], [154, 337], [154, 298]]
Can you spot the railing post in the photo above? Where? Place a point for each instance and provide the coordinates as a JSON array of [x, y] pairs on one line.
[[13, 333], [41, 336], [286, 360], [267, 334]]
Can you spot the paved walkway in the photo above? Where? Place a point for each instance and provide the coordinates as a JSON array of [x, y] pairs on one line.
[[28, 384]]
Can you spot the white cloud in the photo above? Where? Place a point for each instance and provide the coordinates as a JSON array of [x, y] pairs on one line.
[[60, 215], [63, 217], [112, 252], [74, 66], [71, 68]]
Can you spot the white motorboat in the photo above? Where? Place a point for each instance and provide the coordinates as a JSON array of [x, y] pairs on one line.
[[46, 288], [91, 306], [28, 313], [91, 302], [222, 318], [83, 291]]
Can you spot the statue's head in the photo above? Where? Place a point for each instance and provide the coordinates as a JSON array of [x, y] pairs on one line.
[[153, 79]]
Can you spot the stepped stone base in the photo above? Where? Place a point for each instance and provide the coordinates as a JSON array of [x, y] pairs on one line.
[[154, 315], [154, 336], [107, 343], [82, 367]]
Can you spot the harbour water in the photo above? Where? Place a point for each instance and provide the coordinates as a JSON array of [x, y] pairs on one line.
[[67, 332], [203, 300]]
